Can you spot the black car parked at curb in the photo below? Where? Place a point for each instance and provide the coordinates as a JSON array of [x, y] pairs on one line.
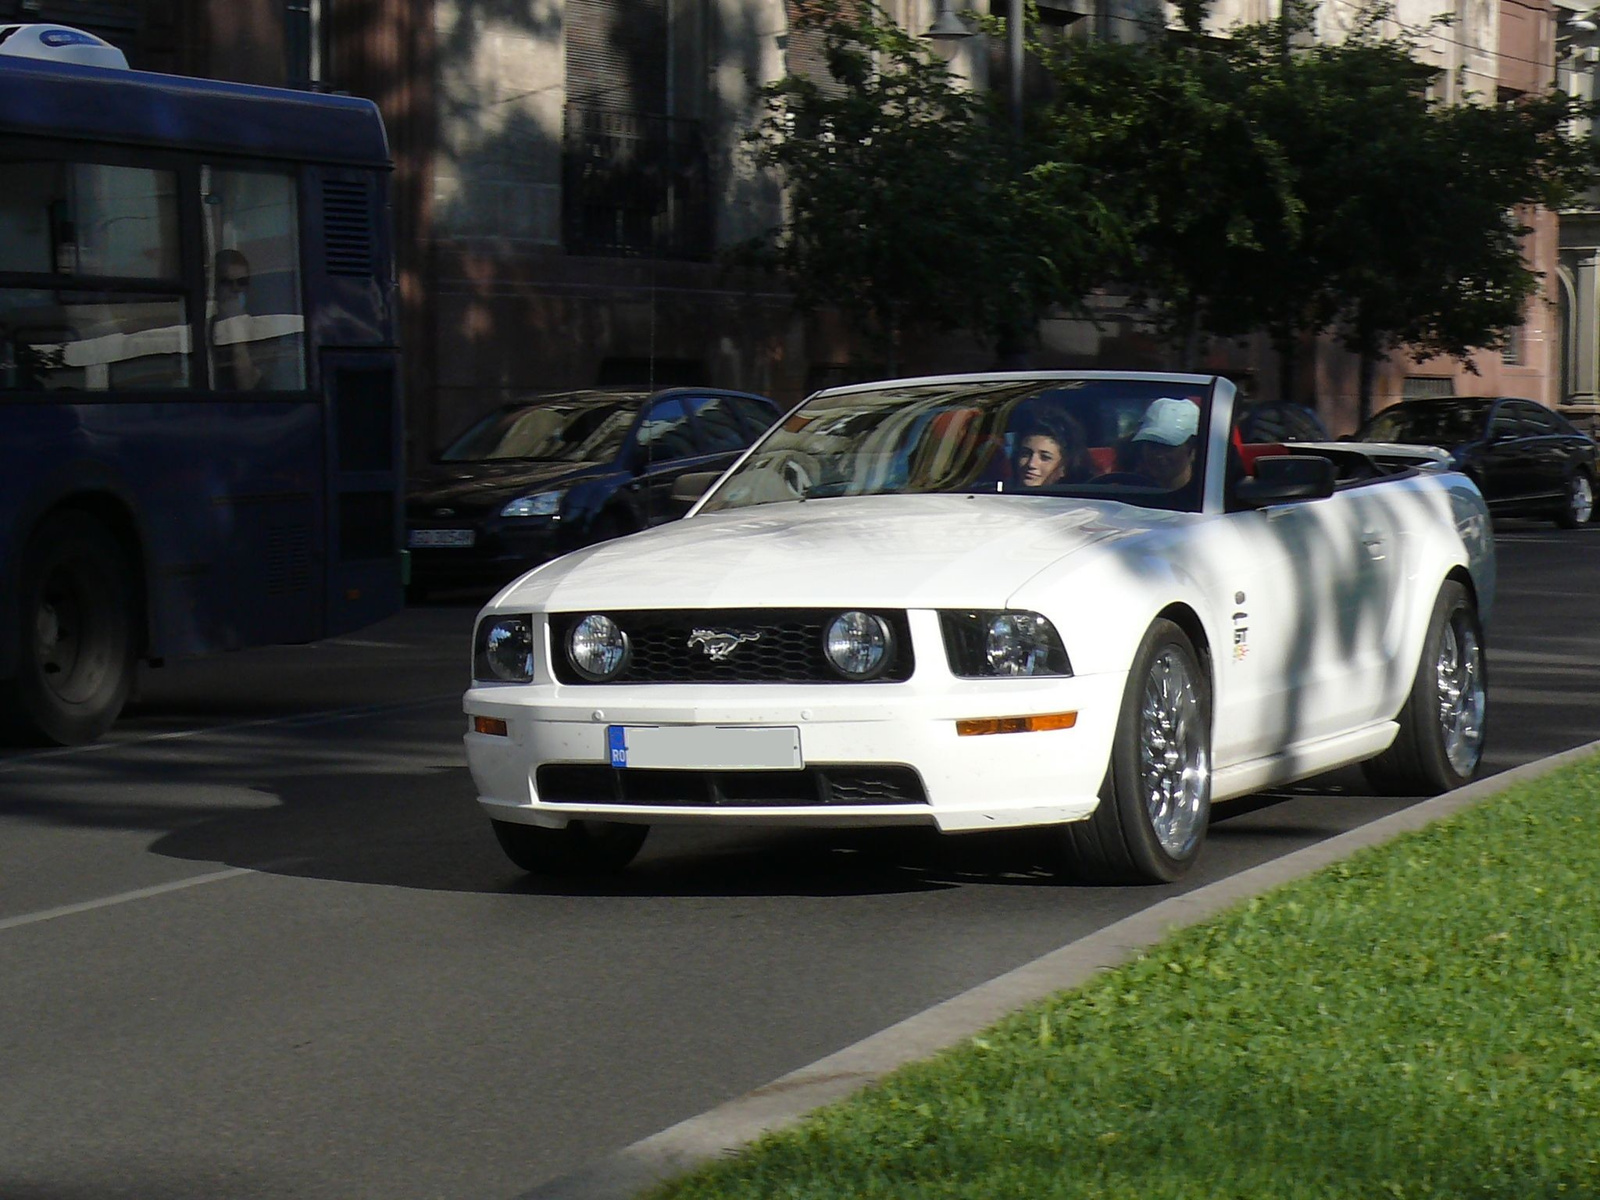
[[538, 478], [1525, 459]]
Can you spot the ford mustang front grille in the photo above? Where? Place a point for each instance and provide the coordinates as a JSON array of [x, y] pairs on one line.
[[595, 783], [749, 645]]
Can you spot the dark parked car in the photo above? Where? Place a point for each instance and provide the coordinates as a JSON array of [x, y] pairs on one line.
[[536, 479], [1527, 460]]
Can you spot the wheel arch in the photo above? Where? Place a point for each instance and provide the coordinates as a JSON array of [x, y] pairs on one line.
[[116, 514], [97, 497], [1461, 575], [1188, 620]]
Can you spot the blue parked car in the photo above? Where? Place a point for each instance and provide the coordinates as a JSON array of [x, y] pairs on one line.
[[536, 479]]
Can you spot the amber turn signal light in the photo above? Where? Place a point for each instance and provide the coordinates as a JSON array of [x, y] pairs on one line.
[[1034, 724], [489, 725]]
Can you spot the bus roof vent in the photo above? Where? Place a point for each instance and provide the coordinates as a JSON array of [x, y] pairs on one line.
[[347, 226], [59, 43]]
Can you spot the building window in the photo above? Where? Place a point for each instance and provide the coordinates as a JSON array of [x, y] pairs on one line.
[[1424, 387], [304, 43], [634, 185], [1513, 353]]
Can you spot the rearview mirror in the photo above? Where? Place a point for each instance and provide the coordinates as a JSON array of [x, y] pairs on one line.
[[1284, 477], [689, 488]]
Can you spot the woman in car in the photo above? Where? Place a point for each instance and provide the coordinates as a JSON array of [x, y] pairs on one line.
[[1050, 449]]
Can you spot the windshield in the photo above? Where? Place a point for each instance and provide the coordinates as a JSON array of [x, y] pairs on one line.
[[560, 431], [1135, 440], [1430, 424]]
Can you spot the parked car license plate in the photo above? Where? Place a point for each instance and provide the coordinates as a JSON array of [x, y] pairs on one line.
[[705, 747], [442, 537]]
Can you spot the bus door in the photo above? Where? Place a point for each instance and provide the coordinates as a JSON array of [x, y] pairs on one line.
[[365, 486]]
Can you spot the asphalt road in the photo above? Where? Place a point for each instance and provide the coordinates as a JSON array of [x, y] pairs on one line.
[[261, 943]]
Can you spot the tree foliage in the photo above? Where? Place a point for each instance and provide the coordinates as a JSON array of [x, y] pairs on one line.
[[1259, 181], [1271, 183], [906, 204]]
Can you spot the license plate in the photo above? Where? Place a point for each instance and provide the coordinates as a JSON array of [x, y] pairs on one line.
[[442, 537], [705, 747]]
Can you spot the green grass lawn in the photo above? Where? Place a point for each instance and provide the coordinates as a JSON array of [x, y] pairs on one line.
[[1421, 1020]]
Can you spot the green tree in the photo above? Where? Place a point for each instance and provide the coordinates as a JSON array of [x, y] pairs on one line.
[[1271, 184], [1170, 130], [907, 203]]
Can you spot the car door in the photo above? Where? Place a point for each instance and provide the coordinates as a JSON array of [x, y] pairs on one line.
[[1311, 588], [1510, 473], [1549, 451], [666, 447]]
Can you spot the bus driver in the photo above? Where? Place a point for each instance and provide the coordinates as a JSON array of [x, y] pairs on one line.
[[236, 371]]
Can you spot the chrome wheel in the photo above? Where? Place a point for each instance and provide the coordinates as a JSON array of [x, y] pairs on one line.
[[1580, 499], [1174, 759], [1458, 672]]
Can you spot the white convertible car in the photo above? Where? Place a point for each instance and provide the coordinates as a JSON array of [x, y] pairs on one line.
[[1065, 600]]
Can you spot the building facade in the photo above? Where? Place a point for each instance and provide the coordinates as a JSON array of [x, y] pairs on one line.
[[571, 175]]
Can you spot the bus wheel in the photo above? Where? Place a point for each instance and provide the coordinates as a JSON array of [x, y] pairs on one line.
[[79, 642]]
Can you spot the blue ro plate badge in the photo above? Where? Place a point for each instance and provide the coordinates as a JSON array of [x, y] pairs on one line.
[[705, 747]]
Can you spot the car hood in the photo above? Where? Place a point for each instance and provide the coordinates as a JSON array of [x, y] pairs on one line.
[[477, 484], [890, 551]]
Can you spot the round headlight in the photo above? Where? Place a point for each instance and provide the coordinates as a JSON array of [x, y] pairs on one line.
[[858, 644], [1018, 644], [508, 650], [597, 648]]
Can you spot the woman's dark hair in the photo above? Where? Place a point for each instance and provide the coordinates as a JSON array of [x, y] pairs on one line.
[[1064, 431]]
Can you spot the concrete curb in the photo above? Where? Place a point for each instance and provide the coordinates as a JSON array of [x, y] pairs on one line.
[[787, 1100]]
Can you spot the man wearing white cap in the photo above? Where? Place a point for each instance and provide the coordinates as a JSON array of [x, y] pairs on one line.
[[1163, 446]]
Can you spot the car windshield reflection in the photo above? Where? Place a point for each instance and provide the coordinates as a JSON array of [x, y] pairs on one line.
[[575, 428], [1134, 440]]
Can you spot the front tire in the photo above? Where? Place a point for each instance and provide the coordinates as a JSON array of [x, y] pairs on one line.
[[579, 848], [1440, 742], [79, 638], [1577, 507], [1155, 803]]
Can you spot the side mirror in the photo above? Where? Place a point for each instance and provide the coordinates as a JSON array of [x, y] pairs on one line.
[[1287, 477], [689, 488]]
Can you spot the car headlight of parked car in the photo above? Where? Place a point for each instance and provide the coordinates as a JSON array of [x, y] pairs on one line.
[[858, 645], [504, 649], [990, 644], [543, 504], [597, 648]]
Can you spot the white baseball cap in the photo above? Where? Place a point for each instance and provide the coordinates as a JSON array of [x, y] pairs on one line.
[[1170, 421]]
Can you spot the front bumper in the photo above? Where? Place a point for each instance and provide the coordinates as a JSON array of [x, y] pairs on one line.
[[498, 554], [967, 782]]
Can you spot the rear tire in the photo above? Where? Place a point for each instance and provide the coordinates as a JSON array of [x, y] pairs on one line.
[[1440, 742], [78, 633], [1155, 803], [1577, 508], [581, 848]]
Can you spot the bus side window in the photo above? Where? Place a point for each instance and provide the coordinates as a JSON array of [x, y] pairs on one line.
[[64, 227], [254, 322]]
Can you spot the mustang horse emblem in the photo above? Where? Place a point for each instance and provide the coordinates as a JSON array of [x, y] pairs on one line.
[[717, 644]]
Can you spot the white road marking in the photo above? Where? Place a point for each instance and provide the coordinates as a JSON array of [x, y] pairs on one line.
[[177, 885], [330, 716]]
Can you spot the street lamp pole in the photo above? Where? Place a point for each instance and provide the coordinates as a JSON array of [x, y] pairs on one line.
[[949, 27], [1014, 63]]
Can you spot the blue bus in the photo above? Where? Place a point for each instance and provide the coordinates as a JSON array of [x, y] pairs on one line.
[[200, 410]]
